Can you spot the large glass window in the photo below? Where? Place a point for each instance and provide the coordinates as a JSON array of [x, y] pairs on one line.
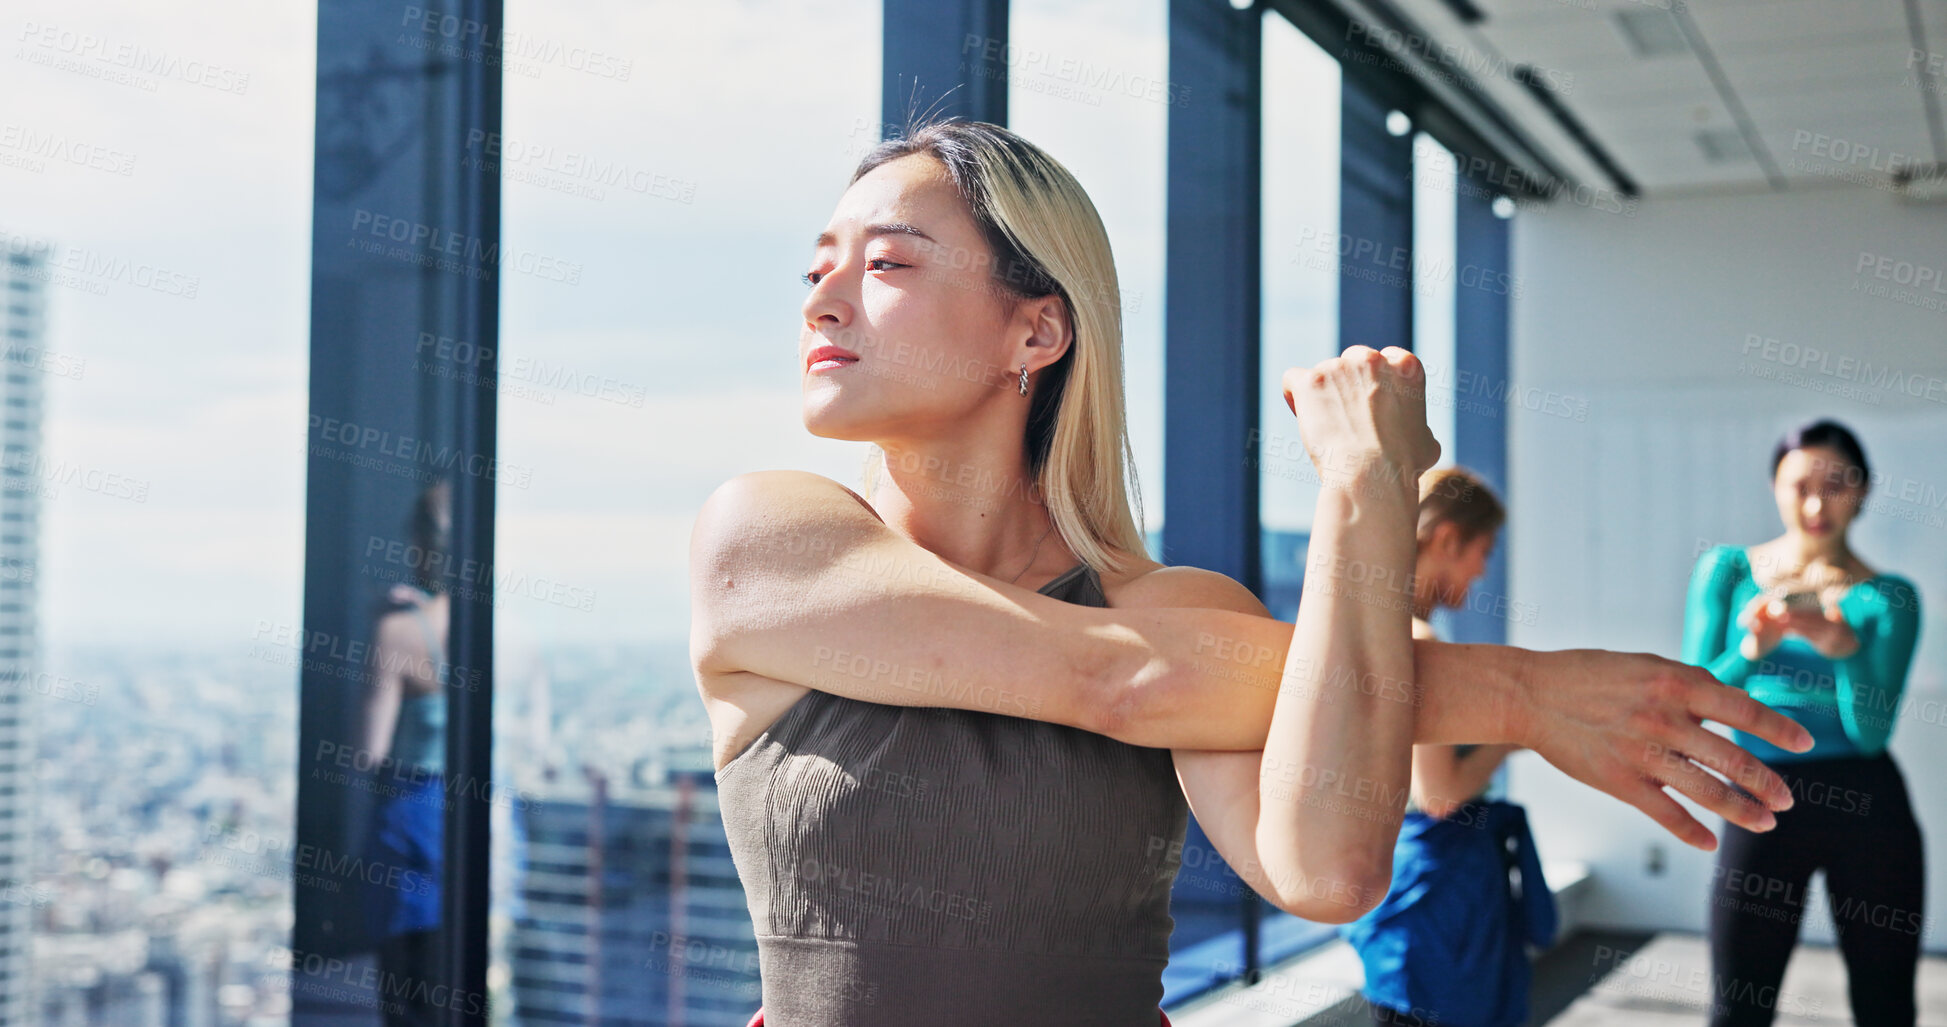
[[666, 368], [1435, 276], [1300, 310], [1302, 240], [1089, 82], [1223, 928], [156, 176]]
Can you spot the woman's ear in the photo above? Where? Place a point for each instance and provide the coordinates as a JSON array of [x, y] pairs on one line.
[[1048, 326]]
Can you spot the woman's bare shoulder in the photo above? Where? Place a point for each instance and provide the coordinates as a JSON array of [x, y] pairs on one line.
[[760, 519], [783, 488], [1152, 584]]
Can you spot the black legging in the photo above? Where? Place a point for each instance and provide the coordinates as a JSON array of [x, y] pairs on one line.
[[1851, 818]]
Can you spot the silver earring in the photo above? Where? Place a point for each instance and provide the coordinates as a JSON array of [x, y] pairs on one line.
[[1024, 379]]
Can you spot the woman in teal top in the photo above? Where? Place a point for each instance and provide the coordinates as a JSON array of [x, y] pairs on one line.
[[403, 735], [1809, 629]]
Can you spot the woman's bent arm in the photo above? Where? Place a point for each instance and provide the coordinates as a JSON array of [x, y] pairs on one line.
[[1707, 616], [1310, 824], [1870, 681]]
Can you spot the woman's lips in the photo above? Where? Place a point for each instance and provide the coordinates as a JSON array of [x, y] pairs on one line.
[[825, 358]]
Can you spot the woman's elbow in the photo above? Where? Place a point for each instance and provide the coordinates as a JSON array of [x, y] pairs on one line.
[[1355, 903], [1124, 696], [1339, 895]]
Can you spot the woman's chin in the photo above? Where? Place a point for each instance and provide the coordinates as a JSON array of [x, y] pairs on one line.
[[826, 424]]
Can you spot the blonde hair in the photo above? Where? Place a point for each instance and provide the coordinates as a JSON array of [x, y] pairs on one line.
[[1457, 496], [1047, 239]]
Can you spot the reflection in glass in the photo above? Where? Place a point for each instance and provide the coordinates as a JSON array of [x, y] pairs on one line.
[[403, 730]]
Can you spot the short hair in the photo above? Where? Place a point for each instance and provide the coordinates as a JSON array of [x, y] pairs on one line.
[[1830, 434], [1457, 496]]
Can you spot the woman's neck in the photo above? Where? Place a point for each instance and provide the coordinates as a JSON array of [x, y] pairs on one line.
[[1796, 557], [980, 511]]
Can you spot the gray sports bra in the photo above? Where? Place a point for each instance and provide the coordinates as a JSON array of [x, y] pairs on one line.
[[910, 864]]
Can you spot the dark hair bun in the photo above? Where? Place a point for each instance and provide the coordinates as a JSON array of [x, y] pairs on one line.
[[1827, 433]]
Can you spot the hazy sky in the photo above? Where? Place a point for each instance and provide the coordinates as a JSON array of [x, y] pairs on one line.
[[757, 110]]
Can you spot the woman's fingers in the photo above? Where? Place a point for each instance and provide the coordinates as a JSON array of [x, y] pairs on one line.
[[1630, 724], [1296, 380], [1403, 361], [1648, 796], [1759, 783], [1734, 708], [1684, 770]]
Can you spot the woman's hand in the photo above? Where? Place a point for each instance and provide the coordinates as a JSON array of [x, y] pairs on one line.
[[1361, 409], [1631, 723], [1763, 621], [1825, 628], [1768, 620]]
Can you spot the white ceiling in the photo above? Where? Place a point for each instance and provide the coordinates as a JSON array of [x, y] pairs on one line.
[[1790, 77]]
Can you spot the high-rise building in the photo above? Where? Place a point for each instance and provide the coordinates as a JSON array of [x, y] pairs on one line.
[[22, 315], [633, 915]]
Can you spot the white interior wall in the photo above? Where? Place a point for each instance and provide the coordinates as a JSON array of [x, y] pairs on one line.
[[1647, 322]]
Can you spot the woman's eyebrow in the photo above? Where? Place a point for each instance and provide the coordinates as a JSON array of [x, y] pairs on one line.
[[889, 228]]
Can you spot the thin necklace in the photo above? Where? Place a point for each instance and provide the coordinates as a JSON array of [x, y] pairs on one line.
[[1032, 555]]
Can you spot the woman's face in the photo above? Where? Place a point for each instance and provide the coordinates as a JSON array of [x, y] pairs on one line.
[[903, 286], [1818, 492]]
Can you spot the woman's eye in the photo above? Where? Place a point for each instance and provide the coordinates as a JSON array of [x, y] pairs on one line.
[[812, 278]]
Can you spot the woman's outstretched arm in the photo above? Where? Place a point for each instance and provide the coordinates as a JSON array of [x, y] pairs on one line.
[[795, 581]]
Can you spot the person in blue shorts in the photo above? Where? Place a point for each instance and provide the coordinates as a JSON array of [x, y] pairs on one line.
[[1448, 945]]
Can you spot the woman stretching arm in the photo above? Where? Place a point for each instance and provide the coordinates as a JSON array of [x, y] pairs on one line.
[[797, 585]]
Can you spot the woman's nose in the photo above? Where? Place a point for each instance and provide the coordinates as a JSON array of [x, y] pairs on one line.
[[815, 305], [826, 305]]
